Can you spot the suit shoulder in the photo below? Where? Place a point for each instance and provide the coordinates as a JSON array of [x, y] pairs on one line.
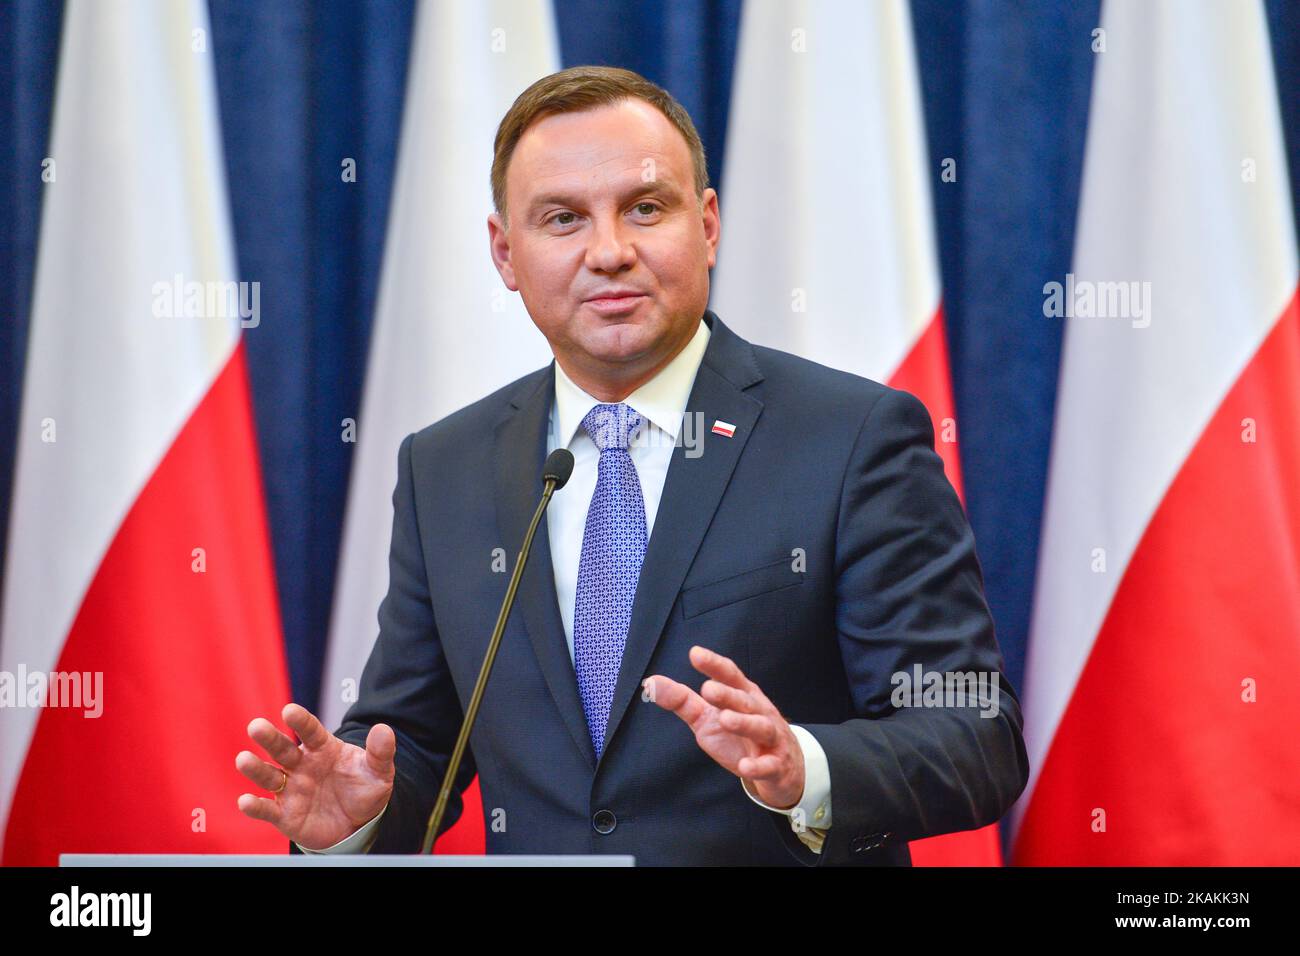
[[835, 407], [470, 423], [822, 388]]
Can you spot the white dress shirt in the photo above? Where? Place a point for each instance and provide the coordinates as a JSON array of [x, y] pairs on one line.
[[662, 402]]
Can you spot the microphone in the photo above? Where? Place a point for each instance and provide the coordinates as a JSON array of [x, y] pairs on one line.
[[555, 475]]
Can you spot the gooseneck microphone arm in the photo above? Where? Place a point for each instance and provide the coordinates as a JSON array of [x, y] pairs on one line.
[[555, 473]]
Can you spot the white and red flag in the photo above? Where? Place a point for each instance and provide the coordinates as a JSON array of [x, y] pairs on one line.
[[1161, 709], [828, 226], [140, 622]]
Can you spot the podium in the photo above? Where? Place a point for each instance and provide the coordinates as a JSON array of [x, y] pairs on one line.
[[332, 860]]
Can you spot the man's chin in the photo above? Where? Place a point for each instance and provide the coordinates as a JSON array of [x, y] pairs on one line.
[[619, 341]]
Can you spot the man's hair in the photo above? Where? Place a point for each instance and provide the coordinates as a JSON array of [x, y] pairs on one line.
[[575, 90]]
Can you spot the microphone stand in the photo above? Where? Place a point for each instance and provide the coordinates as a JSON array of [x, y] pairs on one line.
[[555, 473]]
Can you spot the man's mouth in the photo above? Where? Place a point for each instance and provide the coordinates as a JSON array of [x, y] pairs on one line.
[[615, 302]]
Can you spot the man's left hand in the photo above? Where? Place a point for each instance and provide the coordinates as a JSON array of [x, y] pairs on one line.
[[736, 725]]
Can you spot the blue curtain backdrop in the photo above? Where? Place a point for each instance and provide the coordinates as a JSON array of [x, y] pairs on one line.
[[1006, 89]]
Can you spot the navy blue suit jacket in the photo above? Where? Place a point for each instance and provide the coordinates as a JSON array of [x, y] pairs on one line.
[[821, 548]]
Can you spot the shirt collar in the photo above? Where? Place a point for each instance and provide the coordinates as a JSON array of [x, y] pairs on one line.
[[662, 399]]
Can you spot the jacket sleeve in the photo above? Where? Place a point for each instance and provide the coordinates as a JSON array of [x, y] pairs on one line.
[[909, 596], [406, 684]]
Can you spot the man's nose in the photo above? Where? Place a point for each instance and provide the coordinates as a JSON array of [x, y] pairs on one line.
[[611, 248]]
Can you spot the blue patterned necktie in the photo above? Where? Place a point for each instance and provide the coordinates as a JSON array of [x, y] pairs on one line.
[[613, 547]]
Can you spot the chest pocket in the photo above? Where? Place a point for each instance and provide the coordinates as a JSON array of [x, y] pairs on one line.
[[738, 587]]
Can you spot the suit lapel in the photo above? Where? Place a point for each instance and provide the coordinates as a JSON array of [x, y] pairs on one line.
[[520, 451], [692, 491]]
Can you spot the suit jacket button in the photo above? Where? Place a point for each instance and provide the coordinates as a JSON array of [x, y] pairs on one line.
[[604, 821]]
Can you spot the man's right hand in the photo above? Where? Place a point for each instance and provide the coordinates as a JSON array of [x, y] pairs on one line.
[[331, 787]]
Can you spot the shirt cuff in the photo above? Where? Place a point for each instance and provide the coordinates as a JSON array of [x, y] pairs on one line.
[[358, 842], [811, 816]]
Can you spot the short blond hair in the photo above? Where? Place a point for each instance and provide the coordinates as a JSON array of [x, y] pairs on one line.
[[582, 88]]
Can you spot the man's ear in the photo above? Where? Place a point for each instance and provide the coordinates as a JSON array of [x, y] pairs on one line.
[[499, 246], [712, 223]]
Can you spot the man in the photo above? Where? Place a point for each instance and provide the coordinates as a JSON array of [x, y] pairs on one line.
[[779, 527]]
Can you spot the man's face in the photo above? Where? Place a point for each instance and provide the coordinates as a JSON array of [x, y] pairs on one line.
[[607, 245]]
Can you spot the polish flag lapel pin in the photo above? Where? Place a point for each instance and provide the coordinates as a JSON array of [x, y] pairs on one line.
[[725, 429]]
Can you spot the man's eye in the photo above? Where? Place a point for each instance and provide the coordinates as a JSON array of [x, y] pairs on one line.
[[649, 207], [556, 218]]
